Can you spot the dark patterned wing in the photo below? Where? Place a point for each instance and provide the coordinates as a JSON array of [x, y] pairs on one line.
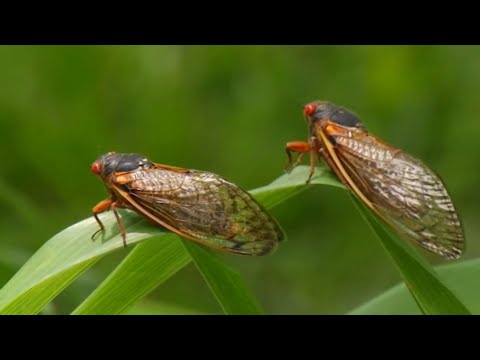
[[205, 208]]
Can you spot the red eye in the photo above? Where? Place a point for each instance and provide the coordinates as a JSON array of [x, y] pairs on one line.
[[309, 109], [96, 168]]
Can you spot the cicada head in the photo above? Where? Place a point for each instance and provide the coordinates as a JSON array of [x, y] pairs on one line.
[[112, 163], [320, 112]]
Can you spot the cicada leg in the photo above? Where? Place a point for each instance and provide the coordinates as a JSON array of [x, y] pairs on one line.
[[105, 205], [102, 206], [302, 147]]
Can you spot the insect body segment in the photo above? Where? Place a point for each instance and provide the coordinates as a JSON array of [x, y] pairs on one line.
[[197, 205], [400, 189]]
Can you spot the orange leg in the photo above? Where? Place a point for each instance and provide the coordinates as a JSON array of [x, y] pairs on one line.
[[105, 205], [102, 206], [302, 147]]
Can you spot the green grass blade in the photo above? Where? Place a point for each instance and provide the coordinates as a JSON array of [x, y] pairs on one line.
[[430, 293], [226, 285], [291, 184], [461, 277], [147, 266], [63, 258]]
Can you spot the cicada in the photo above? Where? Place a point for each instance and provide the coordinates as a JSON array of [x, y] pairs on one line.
[[405, 193], [197, 205]]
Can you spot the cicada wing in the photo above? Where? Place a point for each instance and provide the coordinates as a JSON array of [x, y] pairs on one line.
[[403, 191], [205, 208]]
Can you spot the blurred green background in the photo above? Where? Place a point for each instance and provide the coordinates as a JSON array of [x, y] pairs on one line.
[[229, 110]]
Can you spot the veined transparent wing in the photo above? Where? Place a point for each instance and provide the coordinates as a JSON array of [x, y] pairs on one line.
[[403, 191]]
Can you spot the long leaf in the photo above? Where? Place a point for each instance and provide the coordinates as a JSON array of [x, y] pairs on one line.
[[227, 286], [430, 293], [461, 277], [62, 259], [147, 266]]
